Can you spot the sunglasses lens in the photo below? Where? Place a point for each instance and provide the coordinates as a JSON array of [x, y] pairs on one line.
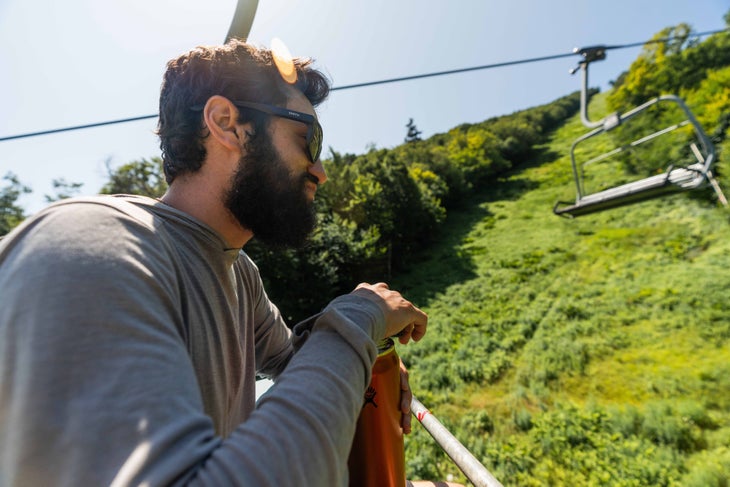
[[315, 145]]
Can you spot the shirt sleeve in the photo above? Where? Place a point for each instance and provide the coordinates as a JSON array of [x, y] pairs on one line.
[[272, 336], [96, 387]]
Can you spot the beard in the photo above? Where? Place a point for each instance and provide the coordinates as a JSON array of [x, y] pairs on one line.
[[266, 198]]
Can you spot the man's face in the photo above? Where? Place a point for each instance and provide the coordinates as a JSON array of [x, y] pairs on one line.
[[268, 199], [272, 192]]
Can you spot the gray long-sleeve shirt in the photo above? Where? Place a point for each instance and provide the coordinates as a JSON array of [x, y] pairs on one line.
[[129, 343]]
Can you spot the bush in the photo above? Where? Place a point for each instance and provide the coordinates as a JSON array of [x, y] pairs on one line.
[[709, 469]]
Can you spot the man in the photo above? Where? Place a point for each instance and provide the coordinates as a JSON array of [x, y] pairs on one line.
[[131, 329]]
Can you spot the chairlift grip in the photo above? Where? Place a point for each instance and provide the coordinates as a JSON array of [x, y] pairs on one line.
[[591, 53]]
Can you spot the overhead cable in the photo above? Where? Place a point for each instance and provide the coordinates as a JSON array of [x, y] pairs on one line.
[[385, 81]]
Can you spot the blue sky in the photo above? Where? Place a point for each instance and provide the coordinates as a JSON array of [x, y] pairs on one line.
[[85, 61]]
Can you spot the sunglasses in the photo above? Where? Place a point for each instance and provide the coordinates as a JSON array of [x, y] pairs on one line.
[[314, 129]]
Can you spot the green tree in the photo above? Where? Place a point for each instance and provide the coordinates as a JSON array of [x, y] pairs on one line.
[[476, 151], [413, 134], [63, 189], [143, 177], [651, 74], [11, 214], [673, 66]]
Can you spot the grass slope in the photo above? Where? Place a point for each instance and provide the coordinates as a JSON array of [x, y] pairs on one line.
[[593, 351]]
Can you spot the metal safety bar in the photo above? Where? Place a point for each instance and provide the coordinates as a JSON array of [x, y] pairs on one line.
[[461, 456]]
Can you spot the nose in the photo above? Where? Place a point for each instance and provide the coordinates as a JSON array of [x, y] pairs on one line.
[[317, 170]]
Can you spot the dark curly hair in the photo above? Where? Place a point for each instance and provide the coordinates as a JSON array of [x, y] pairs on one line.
[[235, 70]]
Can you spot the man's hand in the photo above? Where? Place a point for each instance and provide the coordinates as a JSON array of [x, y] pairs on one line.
[[402, 318], [405, 400]]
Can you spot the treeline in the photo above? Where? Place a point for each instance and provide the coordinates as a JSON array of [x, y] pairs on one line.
[[378, 209]]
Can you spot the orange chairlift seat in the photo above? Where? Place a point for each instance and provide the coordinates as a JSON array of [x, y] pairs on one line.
[[693, 173]]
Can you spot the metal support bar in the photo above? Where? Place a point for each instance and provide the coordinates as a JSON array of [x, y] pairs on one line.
[[590, 54], [474, 471], [584, 100], [636, 143], [242, 20], [716, 187]]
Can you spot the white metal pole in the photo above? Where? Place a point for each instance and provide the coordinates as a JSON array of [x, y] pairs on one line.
[[467, 463]]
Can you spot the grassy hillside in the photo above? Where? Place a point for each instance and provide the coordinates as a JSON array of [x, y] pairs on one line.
[[593, 351]]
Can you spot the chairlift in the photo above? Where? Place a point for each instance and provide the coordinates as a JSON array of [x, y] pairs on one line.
[[690, 174]]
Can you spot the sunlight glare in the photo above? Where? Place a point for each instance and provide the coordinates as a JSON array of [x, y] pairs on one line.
[[283, 60]]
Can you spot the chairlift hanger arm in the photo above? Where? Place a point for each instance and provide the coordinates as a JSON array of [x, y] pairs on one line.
[[242, 20], [591, 54]]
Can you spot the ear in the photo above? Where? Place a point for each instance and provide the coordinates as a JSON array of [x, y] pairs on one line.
[[220, 117]]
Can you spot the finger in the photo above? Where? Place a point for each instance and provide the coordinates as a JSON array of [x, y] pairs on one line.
[[405, 402], [405, 334], [406, 397], [419, 325], [405, 388], [406, 423]]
